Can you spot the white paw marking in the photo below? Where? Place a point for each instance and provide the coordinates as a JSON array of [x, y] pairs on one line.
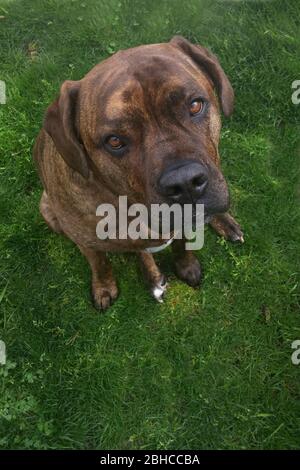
[[158, 292]]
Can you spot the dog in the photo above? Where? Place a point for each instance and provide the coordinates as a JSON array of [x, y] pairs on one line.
[[144, 123]]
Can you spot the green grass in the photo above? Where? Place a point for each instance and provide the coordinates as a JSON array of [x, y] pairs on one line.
[[210, 368]]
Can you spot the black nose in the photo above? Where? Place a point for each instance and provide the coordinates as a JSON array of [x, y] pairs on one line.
[[183, 183]]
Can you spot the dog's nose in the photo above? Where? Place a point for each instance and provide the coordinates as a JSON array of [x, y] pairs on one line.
[[183, 183]]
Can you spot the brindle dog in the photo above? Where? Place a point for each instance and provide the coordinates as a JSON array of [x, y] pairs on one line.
[[144, 123]]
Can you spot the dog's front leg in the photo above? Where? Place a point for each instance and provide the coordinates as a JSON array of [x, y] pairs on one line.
[[187, 266], [226, 226], [104, 287], [154, 277]]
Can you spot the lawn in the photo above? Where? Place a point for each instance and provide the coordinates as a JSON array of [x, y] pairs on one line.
[[209, 368]]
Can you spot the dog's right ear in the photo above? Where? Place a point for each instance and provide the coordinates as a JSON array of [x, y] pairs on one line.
[[60, 124], [209, 63]]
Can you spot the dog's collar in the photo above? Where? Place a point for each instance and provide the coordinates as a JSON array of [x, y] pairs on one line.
[[156, 249]]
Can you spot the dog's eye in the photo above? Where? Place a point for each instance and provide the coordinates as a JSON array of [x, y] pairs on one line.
[[115, 142], [196, 107]]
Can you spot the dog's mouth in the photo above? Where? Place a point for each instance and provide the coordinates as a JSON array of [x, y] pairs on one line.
[[196, 185], [205, 217], [190, 201], [184, 221]]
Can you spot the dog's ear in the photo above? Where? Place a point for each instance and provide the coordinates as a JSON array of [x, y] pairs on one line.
[[60, 124], [211, 66]]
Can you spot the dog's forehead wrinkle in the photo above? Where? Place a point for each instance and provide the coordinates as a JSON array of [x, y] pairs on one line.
[[118, 101], [131, 104], [147, 94], [145, 86]]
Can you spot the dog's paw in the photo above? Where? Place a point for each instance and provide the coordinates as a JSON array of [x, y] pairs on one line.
[[158, 290], [189, 271], [227, 227], [104, 296]]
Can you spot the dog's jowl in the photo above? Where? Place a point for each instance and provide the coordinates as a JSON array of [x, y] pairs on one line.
[[145, 124]]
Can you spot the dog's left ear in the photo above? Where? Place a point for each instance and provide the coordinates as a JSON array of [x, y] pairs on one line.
[[60, 124], [211, 66]]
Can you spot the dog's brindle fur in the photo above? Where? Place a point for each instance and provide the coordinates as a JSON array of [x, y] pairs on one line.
[[140, 94]]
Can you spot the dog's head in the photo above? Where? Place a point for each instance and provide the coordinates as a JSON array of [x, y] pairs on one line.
[[146, 124]]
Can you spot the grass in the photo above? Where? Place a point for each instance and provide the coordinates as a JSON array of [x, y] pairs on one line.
[[210, 368]]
